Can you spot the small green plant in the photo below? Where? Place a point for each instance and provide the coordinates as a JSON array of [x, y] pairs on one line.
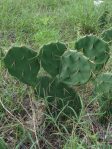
[[65, 68]]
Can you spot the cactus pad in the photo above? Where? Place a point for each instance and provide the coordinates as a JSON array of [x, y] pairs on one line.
[[76, 69], [60, 94], [23, 64], [107, 35], [50, 57], [103, 83], [94, 48]]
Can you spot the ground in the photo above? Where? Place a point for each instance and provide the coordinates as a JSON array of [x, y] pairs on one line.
[[23, 124]]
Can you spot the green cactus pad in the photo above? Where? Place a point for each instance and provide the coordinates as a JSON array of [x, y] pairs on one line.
[[59, 93], [43, 86], [107, 35], [23, 64], [103, 83], [94, 48], [76, 69], [3, 144], [50, 57]]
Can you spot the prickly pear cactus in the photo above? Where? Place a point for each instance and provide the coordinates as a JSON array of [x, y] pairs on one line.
[[76, 69], [23, 64], [3, 144], [107, 35], [60, 94], [103, 90], [95, 49], [50, 57]]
